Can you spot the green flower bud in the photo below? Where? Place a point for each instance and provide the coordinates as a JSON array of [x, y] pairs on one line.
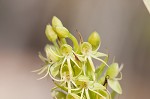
[[86, 48], [50, 34], [113, 70], [94, 40], [66, 49], [50, 50], [62, 32], [56, 22]]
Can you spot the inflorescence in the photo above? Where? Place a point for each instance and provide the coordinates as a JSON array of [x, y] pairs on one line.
[[72, 69]]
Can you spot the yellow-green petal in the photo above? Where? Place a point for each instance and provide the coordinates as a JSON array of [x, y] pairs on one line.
[[86, 47], [114, 84], [113, 70], [50, 55], [83, 78], [66, 49]]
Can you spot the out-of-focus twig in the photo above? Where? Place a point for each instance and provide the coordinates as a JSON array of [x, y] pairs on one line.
[[147, 4]]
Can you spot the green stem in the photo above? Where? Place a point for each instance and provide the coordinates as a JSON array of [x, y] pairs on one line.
[[63, 40], [113, 94], [55, 44], [75, 42]]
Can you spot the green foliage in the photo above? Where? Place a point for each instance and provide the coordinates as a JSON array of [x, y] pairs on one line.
[[72, 68]]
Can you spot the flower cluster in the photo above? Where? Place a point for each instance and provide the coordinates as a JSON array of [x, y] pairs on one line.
[[72, 69]]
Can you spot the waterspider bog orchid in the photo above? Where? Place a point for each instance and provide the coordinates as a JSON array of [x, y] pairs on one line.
[[72, 68]]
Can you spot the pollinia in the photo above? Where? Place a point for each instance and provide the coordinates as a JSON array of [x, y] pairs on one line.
[[72, 69]]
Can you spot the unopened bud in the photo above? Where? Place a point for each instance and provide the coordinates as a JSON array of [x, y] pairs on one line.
[[94, 40], [62, 32], [50, 34], [56, 22]]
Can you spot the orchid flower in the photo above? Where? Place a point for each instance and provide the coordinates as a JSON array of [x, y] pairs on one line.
[[90, 87], [110, 77], [87, 54]]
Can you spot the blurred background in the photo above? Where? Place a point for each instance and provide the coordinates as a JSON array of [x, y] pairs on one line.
[[124, 26]]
